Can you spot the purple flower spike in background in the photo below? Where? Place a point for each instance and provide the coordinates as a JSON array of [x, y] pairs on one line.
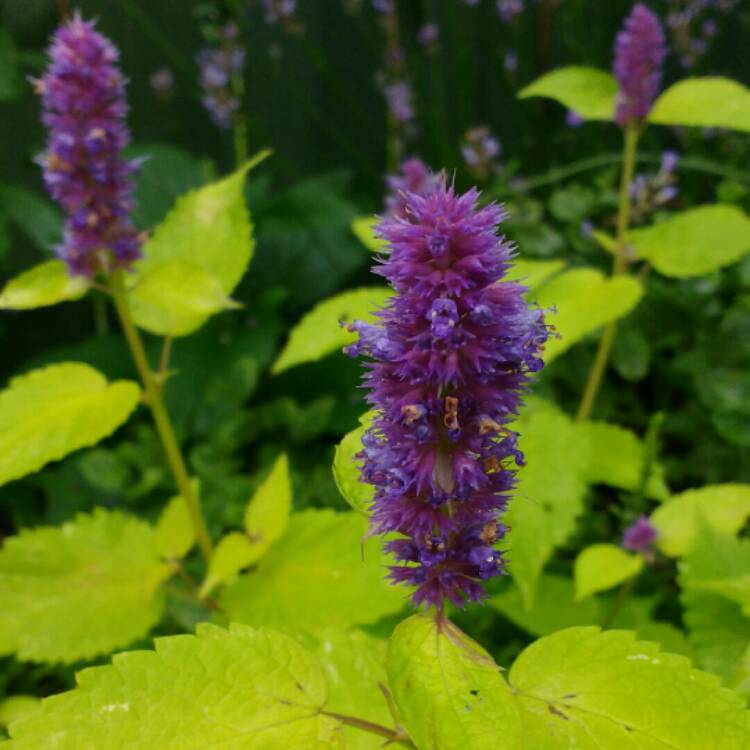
[[640, 536], [279, 10], [453, 353], [414, 177], [480, 150], [639, 53], [218, 65], [83, 94]]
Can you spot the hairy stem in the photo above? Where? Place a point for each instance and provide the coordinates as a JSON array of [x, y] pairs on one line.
[[620, 265], [155, 401], [392, 735]]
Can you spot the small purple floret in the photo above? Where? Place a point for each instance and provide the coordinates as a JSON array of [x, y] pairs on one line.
[[414, 177], [83, 94], [639, 53], [640, 536], [452, 354]]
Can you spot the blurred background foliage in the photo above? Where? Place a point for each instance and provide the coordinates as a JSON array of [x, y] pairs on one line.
[[311, 96]]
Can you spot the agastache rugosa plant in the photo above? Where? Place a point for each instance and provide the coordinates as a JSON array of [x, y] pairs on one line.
[[452, 354], [83, 95], [84, 110], [639, 54]]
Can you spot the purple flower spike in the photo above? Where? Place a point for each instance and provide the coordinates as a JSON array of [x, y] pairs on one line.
[[640, 536], [639, 53], [218, 65], [414, 177], [453, 353], [83, 94]]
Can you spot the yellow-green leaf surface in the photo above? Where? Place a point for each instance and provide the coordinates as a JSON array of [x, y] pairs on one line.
[[694, 242], [176, 299], [585, 301], [43, 285], [346, 471], [590, 690], [533, 273], [240, 688], [267, 513], [322, 572], [49, 413], [195, 258], [589, 92], [711, 102], [175, 534], [725, 507], [449, 692], [364, 231], [354, 665], [320, 331], [233, 553], [550, 492], [600, 567], [18, 707], [555, 608], [615, 458], [79, 590]]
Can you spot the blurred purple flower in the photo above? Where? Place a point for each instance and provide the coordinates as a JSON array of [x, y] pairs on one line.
[[83, 95], [279, 10], [162, 82], [573, 119], [428, 35], [217, 67], [384, 6], [510, 62], [480, 150], [414, 177], [398, 95], [509, 9], [640, 536], [639, 53]]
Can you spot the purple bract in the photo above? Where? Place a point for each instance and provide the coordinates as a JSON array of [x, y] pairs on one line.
[[83, 94], [639, 53], [453, 353]]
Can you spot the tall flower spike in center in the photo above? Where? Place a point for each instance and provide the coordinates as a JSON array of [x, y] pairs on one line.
[[452, 355]]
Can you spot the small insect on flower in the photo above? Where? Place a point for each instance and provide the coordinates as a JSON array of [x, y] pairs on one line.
[[83, 95], [452, 354], [640, 50]]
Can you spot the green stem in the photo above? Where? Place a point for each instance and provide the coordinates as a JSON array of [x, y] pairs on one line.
[[392, 735], [622, 596], [596, 375], [240, 122], [155, 401]]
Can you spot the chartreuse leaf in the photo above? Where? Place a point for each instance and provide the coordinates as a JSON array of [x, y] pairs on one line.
[[589, 92], [725, 507], [533, 273], [720, 636], [586, 689], [719, 564], [266, 519], [354, 665], [267, 513], [239, 688], [316, 575], [81, 589], [448, 690], [364, 231], [584, 301], [177, 298], [550, 492], [555, 608], [201, 249], [43, 285], [600, 567], [18, 707], [694, 242], [175, 533], [321, 332], [711, 102], [346, 469], [51, 412], [615, 457]]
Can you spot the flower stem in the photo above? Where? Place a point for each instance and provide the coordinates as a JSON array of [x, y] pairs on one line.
[[239, 126], [154, 399], [621, 598], [620, 265], [392, 735]]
